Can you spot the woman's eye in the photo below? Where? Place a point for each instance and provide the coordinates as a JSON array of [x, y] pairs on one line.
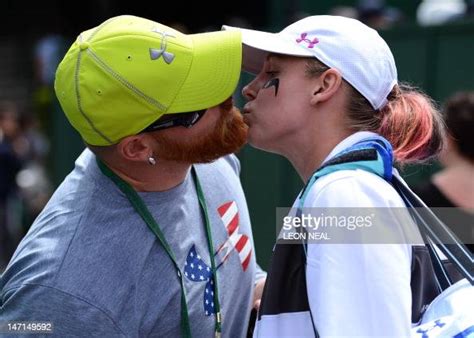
[[271, 74]]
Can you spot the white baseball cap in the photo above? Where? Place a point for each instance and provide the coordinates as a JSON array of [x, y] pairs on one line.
[[356, 50]]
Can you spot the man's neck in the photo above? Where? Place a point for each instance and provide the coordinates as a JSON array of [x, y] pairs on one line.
[[144, 177]]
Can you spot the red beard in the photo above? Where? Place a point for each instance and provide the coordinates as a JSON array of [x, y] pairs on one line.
[[228, 136]]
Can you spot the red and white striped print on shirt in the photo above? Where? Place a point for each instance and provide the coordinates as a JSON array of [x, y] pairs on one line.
[[229, 214]]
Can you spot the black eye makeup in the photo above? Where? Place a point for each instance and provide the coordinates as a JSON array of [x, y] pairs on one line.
[[272, 82]]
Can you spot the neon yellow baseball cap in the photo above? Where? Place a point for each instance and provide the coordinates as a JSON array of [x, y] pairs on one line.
[[121, 76]]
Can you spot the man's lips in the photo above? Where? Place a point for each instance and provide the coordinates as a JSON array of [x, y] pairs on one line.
[[246, 119]]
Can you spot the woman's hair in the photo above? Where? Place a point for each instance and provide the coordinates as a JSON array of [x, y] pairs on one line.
[[410, 120], [458, 112]]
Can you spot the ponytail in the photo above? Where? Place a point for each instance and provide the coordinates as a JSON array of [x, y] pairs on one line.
[[410, 121], [412, 124]]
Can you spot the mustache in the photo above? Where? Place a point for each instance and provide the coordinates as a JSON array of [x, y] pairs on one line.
[[228, 136]]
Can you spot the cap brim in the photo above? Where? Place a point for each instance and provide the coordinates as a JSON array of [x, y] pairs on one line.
[[214, 73], [257, 45]]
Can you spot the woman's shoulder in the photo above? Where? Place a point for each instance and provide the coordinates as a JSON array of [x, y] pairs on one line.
[[353, 188]]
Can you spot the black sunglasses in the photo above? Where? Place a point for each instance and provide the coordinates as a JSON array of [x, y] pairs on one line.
[[174, 120]]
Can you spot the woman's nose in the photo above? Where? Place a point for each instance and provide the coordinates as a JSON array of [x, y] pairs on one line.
[[250, 91]]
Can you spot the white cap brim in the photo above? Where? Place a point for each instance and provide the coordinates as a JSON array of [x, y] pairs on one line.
[[257, 45]]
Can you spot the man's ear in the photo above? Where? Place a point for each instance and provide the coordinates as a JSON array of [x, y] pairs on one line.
[[135, 148], [327, 84]]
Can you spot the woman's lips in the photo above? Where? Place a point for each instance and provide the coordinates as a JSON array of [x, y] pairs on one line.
[[246, 109], [246, 113]]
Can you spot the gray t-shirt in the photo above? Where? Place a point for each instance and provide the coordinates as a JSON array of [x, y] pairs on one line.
[[91, 266]]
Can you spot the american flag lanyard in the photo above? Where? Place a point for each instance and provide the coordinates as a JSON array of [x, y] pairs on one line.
[[143, 211]]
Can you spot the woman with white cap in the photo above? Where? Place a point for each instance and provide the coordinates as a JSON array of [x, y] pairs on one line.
[[326, 96]]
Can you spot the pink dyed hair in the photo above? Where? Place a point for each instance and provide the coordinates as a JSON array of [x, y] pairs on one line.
[[410, 122]]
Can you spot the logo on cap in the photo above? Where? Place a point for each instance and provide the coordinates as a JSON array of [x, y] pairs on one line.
[[303, 38], [157, 53]]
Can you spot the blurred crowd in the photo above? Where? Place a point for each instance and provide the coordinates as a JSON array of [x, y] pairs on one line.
[[379, 15], [24, 185], [25, 182]]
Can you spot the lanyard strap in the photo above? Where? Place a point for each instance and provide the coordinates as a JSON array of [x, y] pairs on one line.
[[143, 211], [202, 203]]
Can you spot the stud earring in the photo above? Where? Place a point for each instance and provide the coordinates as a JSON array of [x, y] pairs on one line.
[[151, 160]]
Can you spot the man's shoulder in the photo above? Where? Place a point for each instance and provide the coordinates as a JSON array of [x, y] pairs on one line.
[[227, 165], [234, 162], [65, 238], [65, 313]]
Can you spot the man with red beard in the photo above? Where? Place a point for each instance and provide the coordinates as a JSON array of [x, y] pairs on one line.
[[149, 235]]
